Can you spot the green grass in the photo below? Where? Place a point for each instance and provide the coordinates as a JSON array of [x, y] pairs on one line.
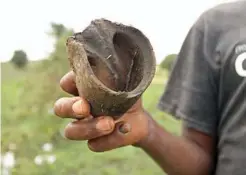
[[30, 127]]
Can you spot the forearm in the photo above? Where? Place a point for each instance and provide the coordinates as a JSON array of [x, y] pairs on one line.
[[176, 155]]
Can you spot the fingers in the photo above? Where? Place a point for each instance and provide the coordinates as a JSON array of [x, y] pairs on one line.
[[67, 83], [118, 138], [72, 107], [129, 130], [89, 129]]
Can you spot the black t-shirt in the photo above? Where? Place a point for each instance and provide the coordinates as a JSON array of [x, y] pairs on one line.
[[207, 86]]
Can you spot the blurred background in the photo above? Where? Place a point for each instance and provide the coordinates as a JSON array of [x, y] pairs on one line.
[[33, 59]]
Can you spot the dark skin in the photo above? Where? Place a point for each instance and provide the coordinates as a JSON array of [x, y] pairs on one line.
[[189, 154]]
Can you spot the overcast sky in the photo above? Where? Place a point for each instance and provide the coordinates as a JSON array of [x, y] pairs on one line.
[[25, 23]]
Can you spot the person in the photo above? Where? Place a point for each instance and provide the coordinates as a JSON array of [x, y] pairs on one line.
[[206, 90]]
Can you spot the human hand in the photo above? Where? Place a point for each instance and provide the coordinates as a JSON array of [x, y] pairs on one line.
[[103, 133]]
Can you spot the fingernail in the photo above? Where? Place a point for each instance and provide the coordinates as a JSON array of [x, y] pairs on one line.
[[125, 128], [104, 125], [77, 107]]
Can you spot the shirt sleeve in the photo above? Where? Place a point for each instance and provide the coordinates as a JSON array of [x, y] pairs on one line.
[[190, 93]]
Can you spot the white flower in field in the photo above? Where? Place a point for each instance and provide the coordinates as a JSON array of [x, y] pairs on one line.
[[47, 147], [8, 160], [38, 160], [51, 159]]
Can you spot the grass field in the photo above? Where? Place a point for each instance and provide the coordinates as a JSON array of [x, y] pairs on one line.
[[72, 158]]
